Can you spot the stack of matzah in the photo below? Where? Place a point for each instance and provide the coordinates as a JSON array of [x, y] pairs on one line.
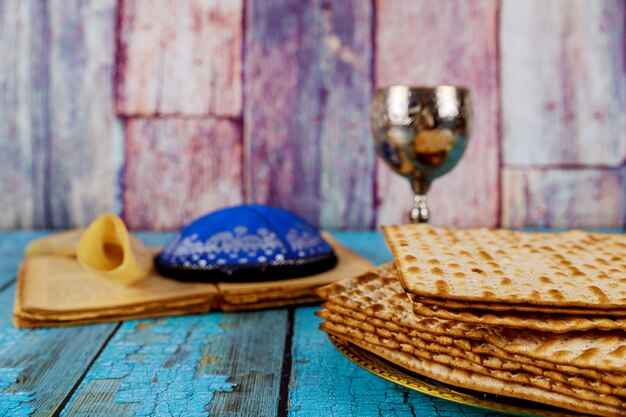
[[534, 316]]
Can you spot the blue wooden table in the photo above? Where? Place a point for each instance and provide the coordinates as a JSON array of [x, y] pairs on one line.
[[265, 363]]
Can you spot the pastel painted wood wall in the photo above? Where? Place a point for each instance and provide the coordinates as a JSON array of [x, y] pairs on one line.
[[162, 110]]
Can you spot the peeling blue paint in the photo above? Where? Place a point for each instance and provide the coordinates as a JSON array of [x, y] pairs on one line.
[[158, 362], [12, 403]]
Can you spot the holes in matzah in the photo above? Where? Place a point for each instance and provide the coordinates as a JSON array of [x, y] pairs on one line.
[[545, 280], [598, 292], [437, 272], [415, 270], [442, 287], [619, 352], [556, 294], [377, 307], [485, 256]]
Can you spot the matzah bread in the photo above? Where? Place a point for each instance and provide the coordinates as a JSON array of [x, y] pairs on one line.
[[378, 294], [480, 353], [456, 358], [550, 323], [604, 351], [466, 379], [524, 308], [480, 345], [568, 269]]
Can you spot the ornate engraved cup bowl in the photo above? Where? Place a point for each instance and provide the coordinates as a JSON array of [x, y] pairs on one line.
[[421, 133]]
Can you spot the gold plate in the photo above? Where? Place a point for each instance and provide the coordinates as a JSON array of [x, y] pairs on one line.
[[424, 385]]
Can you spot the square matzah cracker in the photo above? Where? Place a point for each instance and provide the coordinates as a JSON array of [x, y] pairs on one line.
[[377, 297], [575, 268]]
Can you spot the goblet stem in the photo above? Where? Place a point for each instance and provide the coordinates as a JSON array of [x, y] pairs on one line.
[[419, 213]]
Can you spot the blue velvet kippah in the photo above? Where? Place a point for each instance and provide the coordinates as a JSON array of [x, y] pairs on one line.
[[243, 244]]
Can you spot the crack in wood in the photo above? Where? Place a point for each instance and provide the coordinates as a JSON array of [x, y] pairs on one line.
[[285, 376]]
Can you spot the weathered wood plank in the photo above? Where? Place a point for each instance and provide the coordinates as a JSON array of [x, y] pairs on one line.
[[187, 366], [86, 149], [38, 368], [308, 89], [23, 113], [148, 368], [178, 169], [12, 246], [563, 82], [181, 58], [153, 239], [564, 198], [325, 383], [58, 149], [252, 353], [457, 44], [369, 244]]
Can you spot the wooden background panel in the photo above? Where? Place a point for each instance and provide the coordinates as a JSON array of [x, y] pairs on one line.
[[308, 88], [563, 82], [455, 44], [180, 57], [309, 71], [564, 198], [85, 152], [178, 169], [23, 113]]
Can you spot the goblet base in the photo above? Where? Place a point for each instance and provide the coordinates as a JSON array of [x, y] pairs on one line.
[[419, 213]]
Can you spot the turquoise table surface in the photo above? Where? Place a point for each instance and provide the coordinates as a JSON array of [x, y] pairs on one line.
[[266, 363]]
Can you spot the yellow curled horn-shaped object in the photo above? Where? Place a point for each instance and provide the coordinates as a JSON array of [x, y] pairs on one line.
[[107, 248]]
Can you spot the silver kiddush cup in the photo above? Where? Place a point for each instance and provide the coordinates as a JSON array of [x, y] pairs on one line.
[[421, 133]]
